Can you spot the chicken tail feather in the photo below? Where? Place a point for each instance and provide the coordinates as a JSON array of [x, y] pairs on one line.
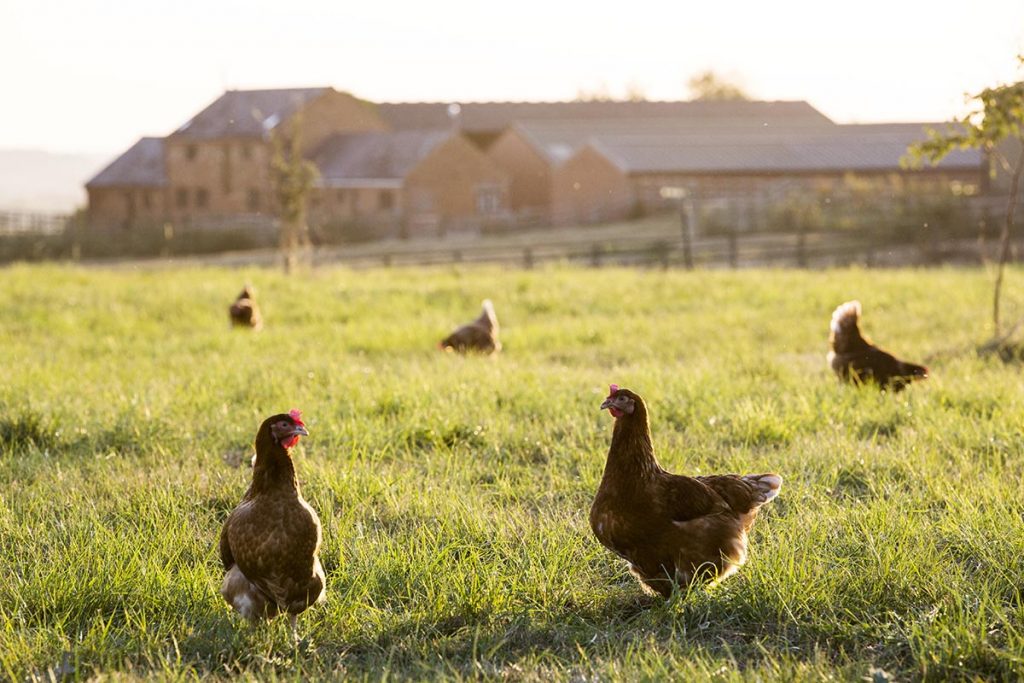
[[845, 317], [243, 595], [488, 315], [844, 330], [766, 485]]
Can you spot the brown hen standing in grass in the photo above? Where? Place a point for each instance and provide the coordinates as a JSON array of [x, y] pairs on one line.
[[480, 336], [671, 529], [244, 312], [855, 359], [269, 543]]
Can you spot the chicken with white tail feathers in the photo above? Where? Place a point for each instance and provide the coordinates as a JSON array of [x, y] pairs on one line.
[[479, 336], [855, 359]]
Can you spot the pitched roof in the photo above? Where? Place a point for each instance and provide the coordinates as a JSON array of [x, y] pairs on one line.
[[247, 113], [374, 158], [141, 166], [476, 117], [558, 140], [870, 147]]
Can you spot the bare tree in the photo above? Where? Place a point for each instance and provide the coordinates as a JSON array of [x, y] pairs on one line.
[[709, 86], [997, 115], [635, 92], [293, 177], [598, 94]]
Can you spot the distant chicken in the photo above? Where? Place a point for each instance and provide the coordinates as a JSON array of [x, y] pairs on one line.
[[480, 336], [244, 312], [671, 529], [269, 543], [854, 359]]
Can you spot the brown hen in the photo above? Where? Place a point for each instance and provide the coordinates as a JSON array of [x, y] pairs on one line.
[[855, 359], [671, 529], [269, 543], [479, 336], [244, 312]]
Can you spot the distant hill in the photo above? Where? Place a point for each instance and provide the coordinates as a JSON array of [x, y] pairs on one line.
[[32, 180]]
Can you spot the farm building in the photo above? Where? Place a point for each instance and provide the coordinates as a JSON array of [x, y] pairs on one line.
[[133, 188], [597, 170], [217, 165], [432, 168], [407, 183], [531, 150]]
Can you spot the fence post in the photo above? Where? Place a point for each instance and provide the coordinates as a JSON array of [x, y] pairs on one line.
[[595, 256], [75, 224], [528, 258], [684, 222], [801, 248], [168, 236], [734, 248]]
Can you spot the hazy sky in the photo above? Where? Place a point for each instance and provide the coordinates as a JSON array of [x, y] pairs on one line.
[[94, 76]]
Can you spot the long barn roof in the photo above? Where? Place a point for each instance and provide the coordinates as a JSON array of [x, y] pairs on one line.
[[480, 117], [672, 146]]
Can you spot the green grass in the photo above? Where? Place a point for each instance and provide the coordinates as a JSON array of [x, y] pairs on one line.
[[454, 491]]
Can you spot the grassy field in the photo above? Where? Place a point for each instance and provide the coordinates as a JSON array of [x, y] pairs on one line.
[[454, 491]]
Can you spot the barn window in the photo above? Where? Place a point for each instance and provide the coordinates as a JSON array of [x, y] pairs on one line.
[[385, 200], [191, 152]]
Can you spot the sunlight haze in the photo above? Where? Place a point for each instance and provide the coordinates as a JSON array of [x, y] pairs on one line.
[[94, 77]]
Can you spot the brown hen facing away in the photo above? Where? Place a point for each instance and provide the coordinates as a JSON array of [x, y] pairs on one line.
[[244, 312], [479, 336], [671, 529], [269, 543], [854, 359]]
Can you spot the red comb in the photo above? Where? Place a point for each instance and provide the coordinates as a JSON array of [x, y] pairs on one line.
[[296, 417], [612, 388]]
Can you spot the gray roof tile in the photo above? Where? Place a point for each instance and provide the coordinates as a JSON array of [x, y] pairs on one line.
[[477, 117], [762, 149], [247, 113], [345, 158], [141, 166]]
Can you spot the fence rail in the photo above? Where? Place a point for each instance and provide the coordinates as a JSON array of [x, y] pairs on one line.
[[736, 251], [663, 242], [28, 223]]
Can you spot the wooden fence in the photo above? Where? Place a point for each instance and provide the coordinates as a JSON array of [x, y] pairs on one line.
[[29, 223], [658, 244], [739, 250]]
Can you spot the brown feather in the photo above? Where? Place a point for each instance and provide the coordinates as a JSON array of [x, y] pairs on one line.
[[672, 528], [270, 542], [855, 359], [480, 336], [244, 312]]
